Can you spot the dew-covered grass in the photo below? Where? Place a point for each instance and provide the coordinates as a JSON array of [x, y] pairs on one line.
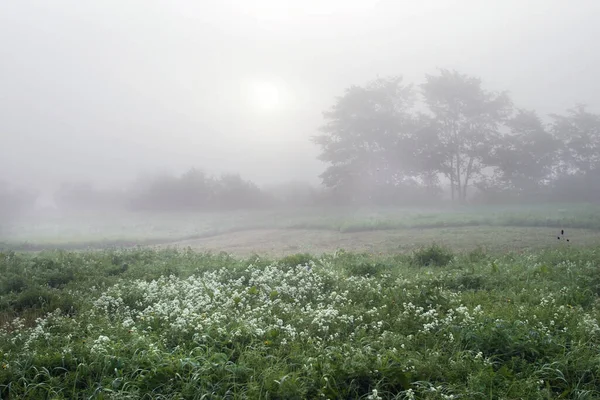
[[176, 324]]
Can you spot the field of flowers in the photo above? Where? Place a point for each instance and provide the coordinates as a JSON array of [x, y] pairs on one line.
[[175, 324]]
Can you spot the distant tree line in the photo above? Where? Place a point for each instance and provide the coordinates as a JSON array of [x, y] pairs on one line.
[[14, 202], [196, 191], [193, 190], [393, 142]]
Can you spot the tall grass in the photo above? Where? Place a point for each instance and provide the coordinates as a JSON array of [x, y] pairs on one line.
[[177, 324]]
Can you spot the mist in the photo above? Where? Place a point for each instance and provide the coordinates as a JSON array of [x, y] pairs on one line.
[[104, 91], [299, 199]]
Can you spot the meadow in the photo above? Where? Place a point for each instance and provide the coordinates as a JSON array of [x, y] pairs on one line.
[[102, 230], [180, 324], [511, 320]]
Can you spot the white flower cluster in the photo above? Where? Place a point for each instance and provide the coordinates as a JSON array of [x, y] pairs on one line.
[[40, 329], [590, 325], [431, 320], [285, 303], [100, 345]]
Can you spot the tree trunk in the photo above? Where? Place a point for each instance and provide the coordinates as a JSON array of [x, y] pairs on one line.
[[457, 154], [458, 178], [467, 177], [452, 178]]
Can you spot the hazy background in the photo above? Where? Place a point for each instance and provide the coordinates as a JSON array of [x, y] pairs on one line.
[[109, 89]]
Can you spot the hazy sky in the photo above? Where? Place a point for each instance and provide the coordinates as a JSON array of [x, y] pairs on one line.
[[108, 88]]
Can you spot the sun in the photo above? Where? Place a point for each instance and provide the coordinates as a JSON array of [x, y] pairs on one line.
[[264, 96]]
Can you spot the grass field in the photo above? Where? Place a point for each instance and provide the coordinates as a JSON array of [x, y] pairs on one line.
[[179, 324], [107, 230], [282, 242], [497, 309]]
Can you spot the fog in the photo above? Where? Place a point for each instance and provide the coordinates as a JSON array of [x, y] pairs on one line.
[[109, 89], [194, 191]]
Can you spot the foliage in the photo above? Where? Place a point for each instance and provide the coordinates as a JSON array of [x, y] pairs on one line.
[[477, 255], [194, 190], [380, 147], [467, 119], [296, 260], [579, 130], [433, 255], [500, 326], [525, 160], [370, 140]]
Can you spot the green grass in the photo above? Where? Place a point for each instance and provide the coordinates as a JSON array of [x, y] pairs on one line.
[[80, 231], [176, 324]]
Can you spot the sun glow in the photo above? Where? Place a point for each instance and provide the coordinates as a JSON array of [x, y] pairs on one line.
[[264, 96]]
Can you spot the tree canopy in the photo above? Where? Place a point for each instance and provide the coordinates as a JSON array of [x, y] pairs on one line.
[[389, 136]]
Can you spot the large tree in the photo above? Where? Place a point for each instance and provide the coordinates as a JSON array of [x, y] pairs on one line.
[[468, 120], [579, 132], [525, 157], [578, 169], [369, 137]]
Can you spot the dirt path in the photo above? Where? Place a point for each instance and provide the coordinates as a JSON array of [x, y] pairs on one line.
[[279, 242]]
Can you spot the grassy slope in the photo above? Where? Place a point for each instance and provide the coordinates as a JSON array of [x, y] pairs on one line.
[[179, 324]]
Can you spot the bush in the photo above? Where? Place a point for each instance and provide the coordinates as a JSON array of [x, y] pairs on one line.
[[60, 278], [42, 300], [467, 282], [13, 283], [294, 260], [432, 255], [365, 268], [477, 254]]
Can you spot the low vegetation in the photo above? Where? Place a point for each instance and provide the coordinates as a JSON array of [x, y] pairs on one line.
[[82, 230], [435, 324]]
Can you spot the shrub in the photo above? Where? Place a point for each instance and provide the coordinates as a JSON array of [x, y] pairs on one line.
[[14, 284], [432, 255], [477, 254], [365, 268], [294, 260], [60, 278], [43, 300], [467, 282]]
